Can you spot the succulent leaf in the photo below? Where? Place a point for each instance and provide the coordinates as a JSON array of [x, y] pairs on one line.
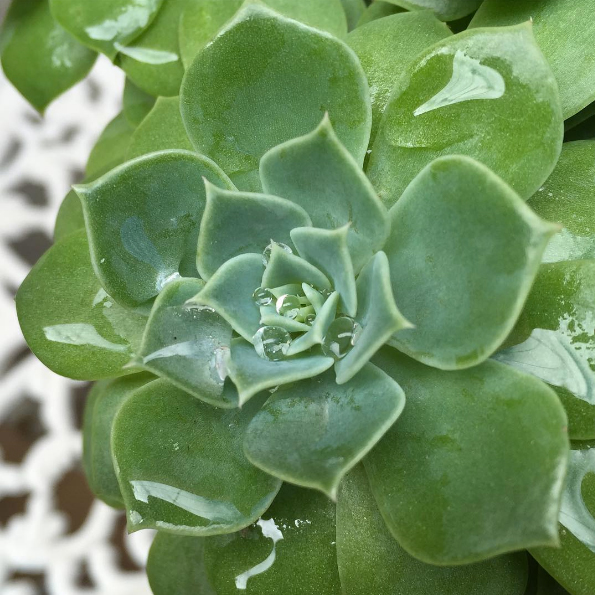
[[104, 402], [372, 561], [387, 46], [328, 251], [470, 94], [280, 78], [377, 314], [192, 477], [445, 10], [188, 346], [237, 223], [295, 538], [161, 129], [70, 216], [73, 326], [311, 433], [560, 27], [447, 433], [463, 253], [252, 374], [316, 172], [554, 339], [105, 25], [39, 57], [378, 10], [143, 219], [136, 104], [284, 268]]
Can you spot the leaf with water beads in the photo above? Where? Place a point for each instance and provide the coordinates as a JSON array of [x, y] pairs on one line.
[[251, 373], [237, 223], [312, 432], [189, 346], [142, 219]]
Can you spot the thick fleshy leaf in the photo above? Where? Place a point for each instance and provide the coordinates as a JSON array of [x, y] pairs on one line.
[[153, 59], [445, 10], [378, 10], [280, 78], [474, 467], [567, 198], [107, 25], [143, 219], [161, 129], [290, 551], [40, 58], [385, 48], [563, 30], [471, 94], [111, 147], [252, 374], [377, 314], [463, 252], [573, 564], [136, 103], [546, 585], [554, 339], [319, 174], [101, 408], [328, 251], [176, 566], [313, 432], [180, 464], [68, 320], [237, 223], [229, 292], [372, 561], [354, 9], [70, 216], [284, 268], [188, 346], [202, 19]]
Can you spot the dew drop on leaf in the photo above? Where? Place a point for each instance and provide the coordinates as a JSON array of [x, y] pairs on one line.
[[341, 336], [271, 342], [266, 255], [262, 297], [288, 306]]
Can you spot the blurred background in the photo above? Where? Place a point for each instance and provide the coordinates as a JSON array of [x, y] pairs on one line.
[[55, 538]]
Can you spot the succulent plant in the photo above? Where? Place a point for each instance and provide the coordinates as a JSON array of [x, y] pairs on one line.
[[338, 296]]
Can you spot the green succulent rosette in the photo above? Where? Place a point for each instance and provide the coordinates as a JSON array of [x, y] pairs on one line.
[[339, 345]]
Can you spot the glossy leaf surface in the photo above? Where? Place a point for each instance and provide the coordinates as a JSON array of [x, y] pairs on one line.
[[463, 253], [70, 216], [446, 10], [40, 58], [377, 314], [385, 48], [554, 339], [372, 561], [573, 566], [203, 18], [317, 172], [153, 59], [136, 103], [188, 346], [567, 198], [176, 566], [162, 129], [229, 292], [105, 399], [143, 218], [563, 30], [291, 550], [69, 321], [105, 25], [237, 223], [312, 432], [470, 95], [280, 78], [252, 373], [448, 492], [328, 251], [180, 464]]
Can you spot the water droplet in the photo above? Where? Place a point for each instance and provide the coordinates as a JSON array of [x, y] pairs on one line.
[[341, 336], [262, 297], [271, 342], [266, 255], [325, 292], [190, 305], [288, 305], [309, 319], [220, 361]]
